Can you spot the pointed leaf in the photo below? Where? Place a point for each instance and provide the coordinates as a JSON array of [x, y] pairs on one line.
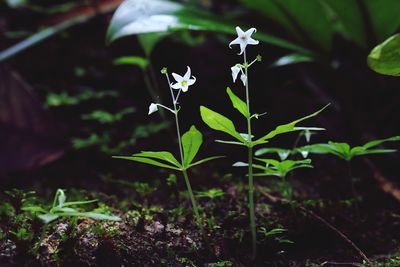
[[238, 103], [147, 161], [385, 58], [292, 59], [380, 141], [230, 142], [289, 127], [191, 142], [102, 217], [48, 217], [161, 155], [220, 123], [205, 160], [141, 62]]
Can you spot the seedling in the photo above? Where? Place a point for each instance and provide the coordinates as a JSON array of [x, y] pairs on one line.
[[274, 167], [62, 208], [212, 193], [221, 123], [347, 153], [189, 143]]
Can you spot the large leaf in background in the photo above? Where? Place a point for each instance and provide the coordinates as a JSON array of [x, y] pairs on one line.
[[349, 19], [147, 16], [384, 16], [358, 19], [385, 58], [191, 142], [305, 20]]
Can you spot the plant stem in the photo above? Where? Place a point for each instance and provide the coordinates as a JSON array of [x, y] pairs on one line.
[[194, 203], [184, 170], [250, 166]]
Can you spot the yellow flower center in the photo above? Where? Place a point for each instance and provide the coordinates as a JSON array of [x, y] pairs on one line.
[[184, 83]]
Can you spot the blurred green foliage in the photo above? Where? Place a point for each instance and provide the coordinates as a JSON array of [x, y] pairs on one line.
[[308, 27]]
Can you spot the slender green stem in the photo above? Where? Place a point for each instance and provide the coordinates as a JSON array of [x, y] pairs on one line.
[[184, 170], [194, 203], [250, 166]]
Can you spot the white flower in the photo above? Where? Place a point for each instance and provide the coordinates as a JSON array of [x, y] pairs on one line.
[[152, 108], [243, 77], [283, 154], [183, 82], [235, 71], [307, 135], [244, 39], [304, 153]]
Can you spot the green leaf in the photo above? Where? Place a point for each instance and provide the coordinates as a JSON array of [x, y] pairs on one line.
[[286, 128], [349, 20], [148, 161], [384, 17], [385, 58], [220, 123], [230, 142], [282, 153], [148, 41], [375, 151], [191, 142], [150, 16], [205, 160], [161, 155], [34, 209], [48, 217], [61, 198], [374, 143], [281, 168], [102, 217], [292, 59], [77, 203], [238, 103], [141, 62]]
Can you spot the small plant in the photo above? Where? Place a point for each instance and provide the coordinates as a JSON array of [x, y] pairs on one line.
[[105, 117], [219, 122], [274, 167], [62, 208], [212, 193], [347, 153], [189, 143]]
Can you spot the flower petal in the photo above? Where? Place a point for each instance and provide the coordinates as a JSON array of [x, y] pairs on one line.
[[152, 108], [187, 74], [250, 31], [235, 71], [251, 41], [236, 41], [242, 47], [244, 79], [176, 85], [239, 31], [185, 88], [178, 78], [191, 81]]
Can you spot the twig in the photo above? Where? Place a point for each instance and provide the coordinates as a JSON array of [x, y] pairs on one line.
[[342, 263], [275, 199], [384, 184]]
